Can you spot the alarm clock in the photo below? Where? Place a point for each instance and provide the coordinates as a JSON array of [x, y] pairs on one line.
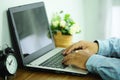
[[8, 62]]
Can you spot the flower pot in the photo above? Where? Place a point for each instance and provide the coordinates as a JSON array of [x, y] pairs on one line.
[[62, 40]]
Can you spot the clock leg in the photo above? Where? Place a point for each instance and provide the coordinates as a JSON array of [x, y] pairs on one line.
[[5, 77]]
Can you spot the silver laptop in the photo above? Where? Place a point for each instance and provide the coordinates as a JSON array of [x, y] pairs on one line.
[[33, 42]]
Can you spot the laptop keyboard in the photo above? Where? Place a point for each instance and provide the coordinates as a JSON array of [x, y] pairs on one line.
[[55, 61]]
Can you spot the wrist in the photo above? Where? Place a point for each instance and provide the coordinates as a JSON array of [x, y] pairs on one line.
[[96, 47]]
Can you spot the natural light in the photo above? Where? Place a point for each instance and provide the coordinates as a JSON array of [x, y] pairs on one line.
[[115, 21]]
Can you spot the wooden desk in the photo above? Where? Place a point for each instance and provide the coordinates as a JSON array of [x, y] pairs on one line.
[[32, 75]]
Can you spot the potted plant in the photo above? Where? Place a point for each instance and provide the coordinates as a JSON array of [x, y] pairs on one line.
[[63, 27]]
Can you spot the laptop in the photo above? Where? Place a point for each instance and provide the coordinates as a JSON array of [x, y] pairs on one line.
[[33, 42]]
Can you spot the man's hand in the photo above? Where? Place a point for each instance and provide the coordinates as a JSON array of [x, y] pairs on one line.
[[82, 45], [77, 59]]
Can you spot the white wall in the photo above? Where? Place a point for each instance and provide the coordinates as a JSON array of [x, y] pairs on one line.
[[97, 19], [91, 18], [74, 7]]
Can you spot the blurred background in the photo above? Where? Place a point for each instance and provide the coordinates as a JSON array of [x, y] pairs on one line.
[[98, 19]]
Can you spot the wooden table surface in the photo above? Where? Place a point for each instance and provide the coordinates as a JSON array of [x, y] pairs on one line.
[[38, 75]]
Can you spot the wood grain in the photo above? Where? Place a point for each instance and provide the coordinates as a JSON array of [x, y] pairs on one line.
[[38, 75]]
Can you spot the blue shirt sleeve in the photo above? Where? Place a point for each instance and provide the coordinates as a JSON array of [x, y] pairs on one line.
[[109, 47], [106, 62], [107, 68]]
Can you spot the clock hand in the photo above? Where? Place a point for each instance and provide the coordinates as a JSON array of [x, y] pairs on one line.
[[10, 62]]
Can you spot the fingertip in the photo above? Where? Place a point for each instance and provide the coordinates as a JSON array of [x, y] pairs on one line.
[[62, 61], [63, 53]]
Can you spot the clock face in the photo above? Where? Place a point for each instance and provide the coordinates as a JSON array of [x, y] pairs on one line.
[[11, 64]]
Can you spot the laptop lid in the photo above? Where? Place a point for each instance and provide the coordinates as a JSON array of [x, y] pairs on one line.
[[30, 32]]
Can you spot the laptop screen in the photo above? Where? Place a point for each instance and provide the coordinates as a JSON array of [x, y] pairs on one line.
[[32, 31], [32, 28]]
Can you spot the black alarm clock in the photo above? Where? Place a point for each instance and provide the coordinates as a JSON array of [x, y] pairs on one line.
[[8, 62]]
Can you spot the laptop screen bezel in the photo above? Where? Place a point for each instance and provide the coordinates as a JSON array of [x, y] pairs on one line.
[[15, 38]]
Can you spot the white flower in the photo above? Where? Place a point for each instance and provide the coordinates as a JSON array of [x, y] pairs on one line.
[[77, 27], [62, 23], [74, 29], [55, 23]]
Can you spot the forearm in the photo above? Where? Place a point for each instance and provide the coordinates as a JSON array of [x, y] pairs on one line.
[[107, 68], [109, 47]]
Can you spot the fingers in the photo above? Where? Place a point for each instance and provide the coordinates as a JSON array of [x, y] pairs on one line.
[[72, 48], [68, 50], [81, 45], [68, 59]]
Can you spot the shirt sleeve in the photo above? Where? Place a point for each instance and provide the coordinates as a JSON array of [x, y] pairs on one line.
[[107, 68], [109, 47]]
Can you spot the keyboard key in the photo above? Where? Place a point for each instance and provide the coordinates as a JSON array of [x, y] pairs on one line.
[[55, 61]]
